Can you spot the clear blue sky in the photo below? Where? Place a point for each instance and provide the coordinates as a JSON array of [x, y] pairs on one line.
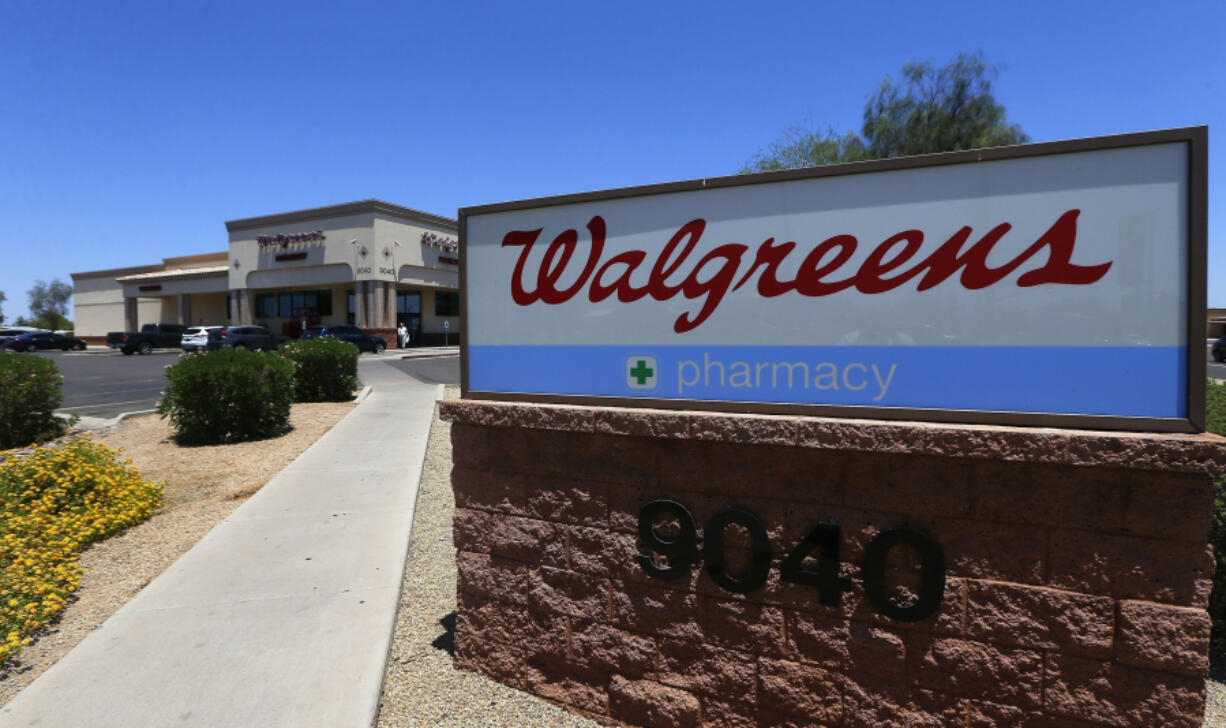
[[134, 130]]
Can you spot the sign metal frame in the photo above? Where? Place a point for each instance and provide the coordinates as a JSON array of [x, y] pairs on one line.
[[1196, 138]]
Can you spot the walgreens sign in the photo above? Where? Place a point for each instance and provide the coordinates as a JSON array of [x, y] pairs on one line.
[[1043, 284]]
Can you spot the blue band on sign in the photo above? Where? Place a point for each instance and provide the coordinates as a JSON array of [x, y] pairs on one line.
[[1123, 381]]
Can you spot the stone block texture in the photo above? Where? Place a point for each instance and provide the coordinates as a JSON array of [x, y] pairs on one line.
[[1077, 569]]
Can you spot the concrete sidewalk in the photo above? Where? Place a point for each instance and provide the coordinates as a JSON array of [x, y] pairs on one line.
[[282, 615]]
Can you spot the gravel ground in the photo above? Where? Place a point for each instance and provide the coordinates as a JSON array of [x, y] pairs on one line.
[[1215, 703], [202, 485], [420, 685]]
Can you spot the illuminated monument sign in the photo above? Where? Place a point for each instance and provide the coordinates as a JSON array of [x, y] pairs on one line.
[[625, 553], [1047, 284]]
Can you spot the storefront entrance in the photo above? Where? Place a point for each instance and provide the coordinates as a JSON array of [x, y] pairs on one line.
[[408, 312]]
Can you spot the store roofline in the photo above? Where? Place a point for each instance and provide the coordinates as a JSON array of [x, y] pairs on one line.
[[178, 273], [348, 208], [179, 260], [114, 272]]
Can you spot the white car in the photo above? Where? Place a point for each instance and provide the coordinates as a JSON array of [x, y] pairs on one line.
[[201, 337]]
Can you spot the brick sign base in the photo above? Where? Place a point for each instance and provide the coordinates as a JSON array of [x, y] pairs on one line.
[[1077, 569]]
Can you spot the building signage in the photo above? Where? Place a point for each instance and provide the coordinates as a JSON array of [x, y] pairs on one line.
[[1058, 283], [441, 242], [284, 241]]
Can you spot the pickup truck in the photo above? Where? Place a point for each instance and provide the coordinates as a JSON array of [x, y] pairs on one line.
[[150, 337]]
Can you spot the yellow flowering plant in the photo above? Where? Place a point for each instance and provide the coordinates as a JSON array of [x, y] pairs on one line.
[[54, 501]]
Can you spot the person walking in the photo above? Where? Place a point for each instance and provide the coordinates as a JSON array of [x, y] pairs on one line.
[[402, 335]]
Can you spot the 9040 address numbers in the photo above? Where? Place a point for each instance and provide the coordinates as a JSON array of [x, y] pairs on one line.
[[822, 540]]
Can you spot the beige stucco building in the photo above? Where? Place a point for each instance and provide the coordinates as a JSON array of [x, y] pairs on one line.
[[370, 263]]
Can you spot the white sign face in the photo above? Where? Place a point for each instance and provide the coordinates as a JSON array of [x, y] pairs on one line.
[[1051, 283]]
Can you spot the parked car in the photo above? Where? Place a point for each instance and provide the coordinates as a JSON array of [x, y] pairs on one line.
[[150, 337], [1219, 350], [201, 337], [249, 337], [347, 332], [33, 340], [11, 332]]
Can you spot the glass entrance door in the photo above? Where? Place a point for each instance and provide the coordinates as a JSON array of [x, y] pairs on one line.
[[408, 312]]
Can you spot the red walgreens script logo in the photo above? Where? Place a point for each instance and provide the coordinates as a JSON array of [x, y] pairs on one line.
[[811, 280]]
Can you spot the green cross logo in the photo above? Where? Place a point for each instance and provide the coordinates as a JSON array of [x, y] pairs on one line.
[[641, 372]]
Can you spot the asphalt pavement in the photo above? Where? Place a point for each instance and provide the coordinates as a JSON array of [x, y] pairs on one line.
[[1213, 370], [102, 384], [107, 384]]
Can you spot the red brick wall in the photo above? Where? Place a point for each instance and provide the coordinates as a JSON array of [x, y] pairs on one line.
[[388, 335], [1075, 588]]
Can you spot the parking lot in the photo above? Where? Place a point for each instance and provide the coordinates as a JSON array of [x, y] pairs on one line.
[[105, 384], [1213, 370]]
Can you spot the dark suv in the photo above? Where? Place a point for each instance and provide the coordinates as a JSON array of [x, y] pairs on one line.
[[249, 337], [347, 332]]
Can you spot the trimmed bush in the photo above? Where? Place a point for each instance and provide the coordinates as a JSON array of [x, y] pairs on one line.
[[325, 369], [29, 395], [228, 395], [54, 501]]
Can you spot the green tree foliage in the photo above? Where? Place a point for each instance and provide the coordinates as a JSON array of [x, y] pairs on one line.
[[800, 147], [928, 110], [2, 300], [49, 304]]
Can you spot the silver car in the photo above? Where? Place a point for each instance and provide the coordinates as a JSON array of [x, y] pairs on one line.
[[201, 337]]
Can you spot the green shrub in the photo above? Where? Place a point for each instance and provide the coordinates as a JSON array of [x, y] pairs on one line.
[[29, 396], [1215, 410], [325, 369], [228, 395]]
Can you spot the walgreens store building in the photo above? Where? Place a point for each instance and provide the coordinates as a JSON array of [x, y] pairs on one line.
[[369, 263]]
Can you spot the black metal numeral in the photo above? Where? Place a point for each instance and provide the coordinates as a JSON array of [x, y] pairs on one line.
[[713, 550], [828, 578], [823, 541], [932, 581], [680, 551]]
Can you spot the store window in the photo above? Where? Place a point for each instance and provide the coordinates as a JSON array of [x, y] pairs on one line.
[[293, 305], [265, 305], [350, 314], [408, 303], [446, 303]]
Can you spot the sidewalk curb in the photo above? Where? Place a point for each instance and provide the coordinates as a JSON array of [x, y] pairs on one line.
[[98, 350], [362, 395], [98, 423]]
